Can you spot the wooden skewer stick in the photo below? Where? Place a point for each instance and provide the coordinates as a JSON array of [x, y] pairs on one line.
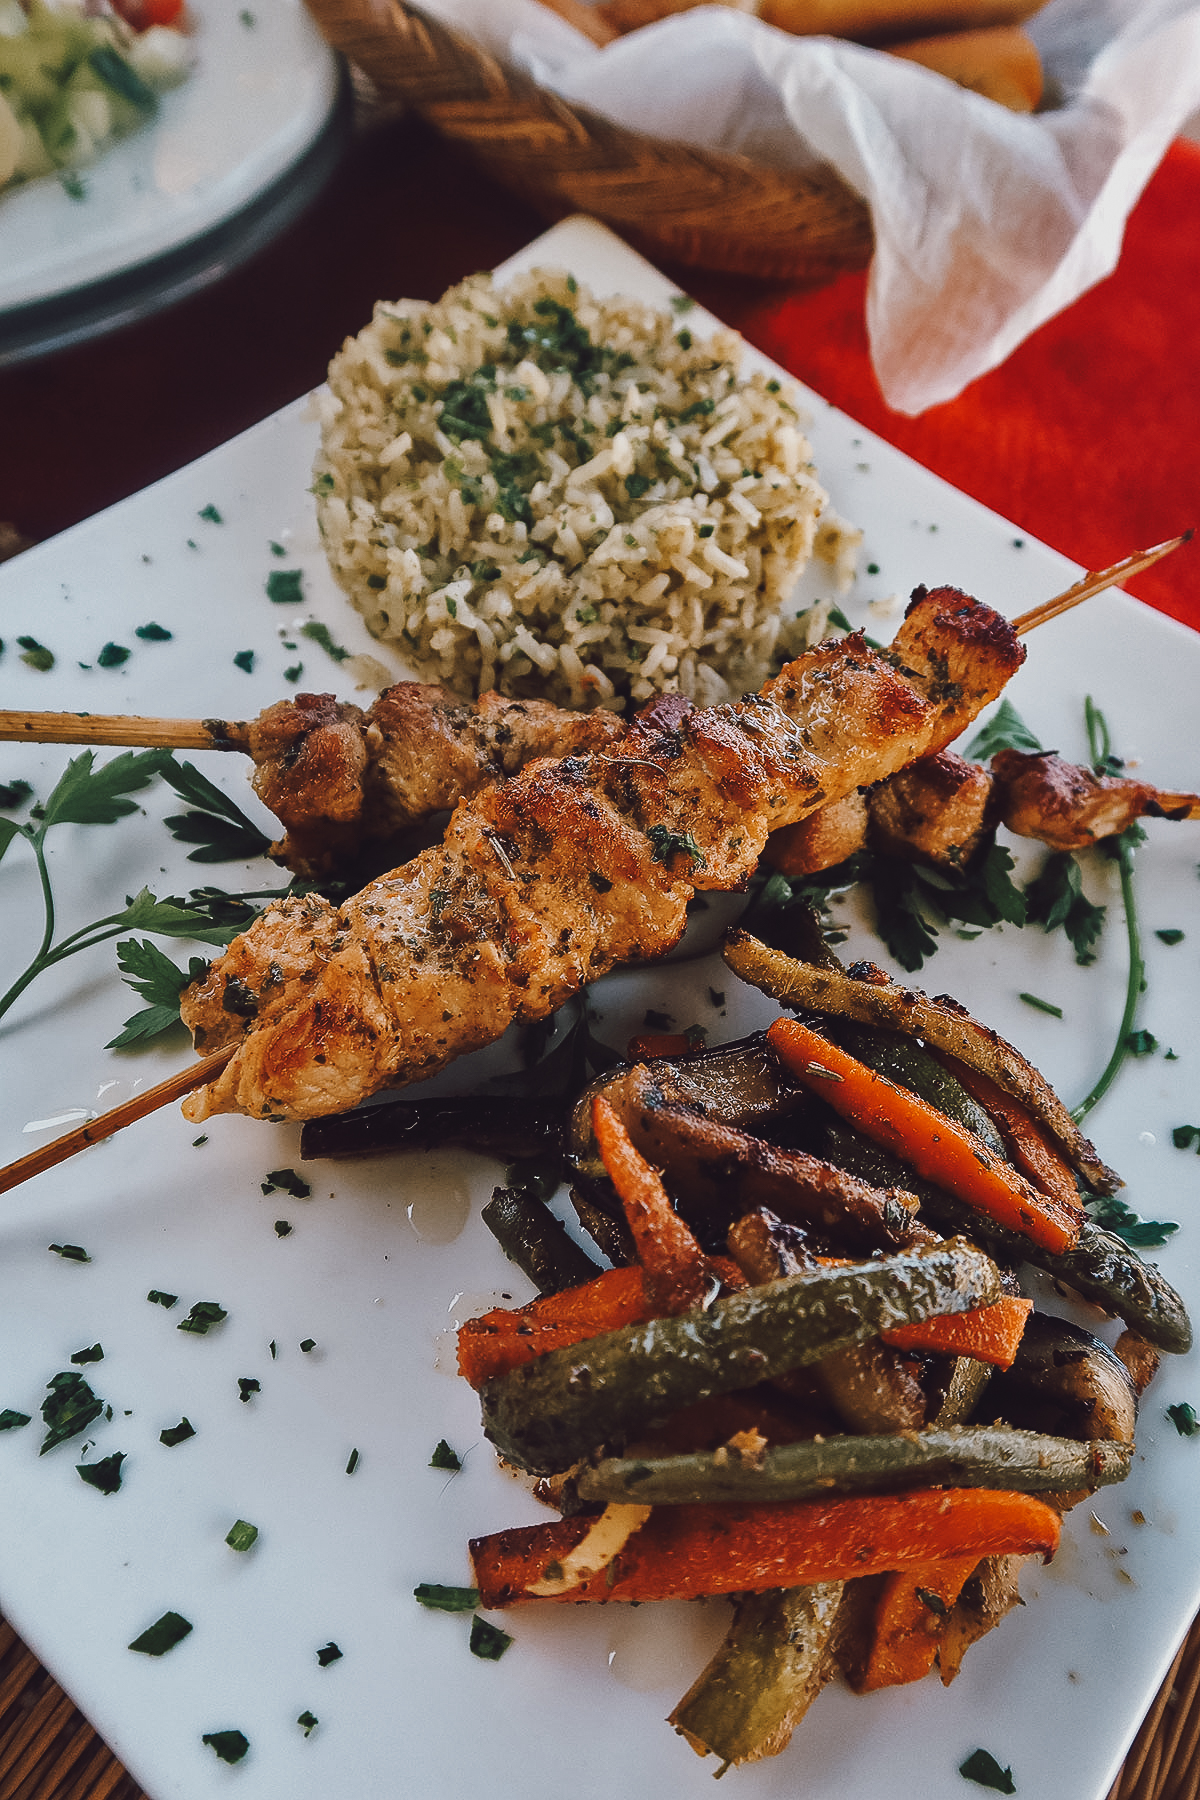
[[218, 734], [1095, 583], [124, 729], [173, 1088]]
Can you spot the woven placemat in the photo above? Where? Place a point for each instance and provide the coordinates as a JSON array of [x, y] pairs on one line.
[[48, 1751]]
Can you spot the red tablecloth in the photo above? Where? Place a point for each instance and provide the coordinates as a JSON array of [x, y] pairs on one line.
[[1089, 436]]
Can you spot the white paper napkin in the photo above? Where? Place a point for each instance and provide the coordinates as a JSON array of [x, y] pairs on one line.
[[987, 222]]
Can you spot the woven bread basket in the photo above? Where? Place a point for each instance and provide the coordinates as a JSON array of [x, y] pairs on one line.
[[705, 209]]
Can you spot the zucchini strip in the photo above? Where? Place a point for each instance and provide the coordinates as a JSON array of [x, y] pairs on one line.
[[991, 1456], [941, 1022], [552, 1411]]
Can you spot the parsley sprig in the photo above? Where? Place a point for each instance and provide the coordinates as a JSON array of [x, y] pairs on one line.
[[89, 795], [1121, 849]]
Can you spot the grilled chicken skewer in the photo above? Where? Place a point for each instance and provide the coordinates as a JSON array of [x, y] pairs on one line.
[[548, 880], [343, 781], [940, 809]]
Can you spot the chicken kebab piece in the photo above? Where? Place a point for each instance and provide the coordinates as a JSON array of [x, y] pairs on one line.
[[549, 879], [941, 808]]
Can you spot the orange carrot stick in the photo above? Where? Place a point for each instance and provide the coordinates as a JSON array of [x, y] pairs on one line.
[[935, 1146], [682, 1552], [676, 1276], [1030, 1145], [990, 1334], [503, 1339], [909, 1620]]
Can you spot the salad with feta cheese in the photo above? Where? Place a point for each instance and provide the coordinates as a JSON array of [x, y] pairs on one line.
[[75, 76]]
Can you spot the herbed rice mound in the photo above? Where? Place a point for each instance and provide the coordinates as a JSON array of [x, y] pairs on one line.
[[552, 494]]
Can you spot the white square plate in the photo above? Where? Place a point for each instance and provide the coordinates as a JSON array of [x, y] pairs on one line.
[[386, 1257]]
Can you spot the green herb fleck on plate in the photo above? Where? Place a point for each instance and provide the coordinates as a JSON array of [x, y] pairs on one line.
[[163, 1635], [94, 1353], [444, 1457], [1183, 1417], [241, 1535], [157, 1297], [71, 1252], [35, 655], [104, 1475], [177, 1434], [1046, 1006], [285, 587], [282, 1228], [1184, 1136], [230, 1746], [488, 1642], [321, 634], [286, 1181], [152, 633], [1172, 936], [12, 1420], [113, 655], [352, 1462], [69, 1408], [982, 1768], [210, 513], [247, 1385], [308, 1723], [202, 1317], [244, 660], [329, 1653], [446, 1599]]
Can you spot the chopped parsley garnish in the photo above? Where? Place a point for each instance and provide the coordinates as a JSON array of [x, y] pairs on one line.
[[71, 1252], [1005, 730], [1183, 1417], [113, 655], [636, 485], [218, 827], [487, 1641], [210, 513], [177, 1434], [1056, 897], [444, 1457], [1040, 1005], [307, 1344], [716, 997], [285, 587], [674, 843], [287, 1181], [163, 1635], [446, 1599], [157, 1297], [105, 1474], [1114, 1215], [321, 634], [35, 655], [12, 1420], [154, 977], [202, 1317], [1141, 1043], [153, 634], [293, 672], [982, 1768], [352, 1462], [308, 1723], [247, 1385], [87, 795], [283, 1228], [69, 1408], [95, 1353], [1185, 1136], [683, 303], [1172, 936], [244, 660], [241, 1535], [328, 1654], [14, 794], [72, 184], [230, 1746]]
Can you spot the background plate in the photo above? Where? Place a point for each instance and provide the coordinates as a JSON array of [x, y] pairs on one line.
[[386, 1257], [261, 93]]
